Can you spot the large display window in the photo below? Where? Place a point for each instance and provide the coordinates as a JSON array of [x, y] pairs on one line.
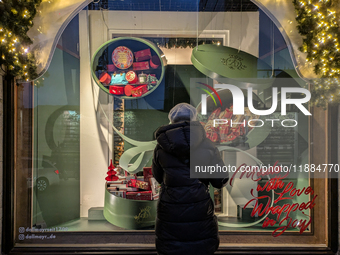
[[84, 131]]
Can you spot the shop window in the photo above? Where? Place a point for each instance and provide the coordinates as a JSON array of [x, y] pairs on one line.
[[81, 121]]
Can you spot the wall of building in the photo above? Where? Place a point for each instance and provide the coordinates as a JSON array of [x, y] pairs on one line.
[[1, 149]]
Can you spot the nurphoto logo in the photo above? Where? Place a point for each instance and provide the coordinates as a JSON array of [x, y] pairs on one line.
[[239, 108], [238, 100]]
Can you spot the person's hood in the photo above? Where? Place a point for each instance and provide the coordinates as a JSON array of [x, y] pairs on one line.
[[177, 139]]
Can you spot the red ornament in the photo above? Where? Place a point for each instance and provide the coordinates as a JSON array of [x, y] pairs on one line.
[[111, 174], [111, 166]]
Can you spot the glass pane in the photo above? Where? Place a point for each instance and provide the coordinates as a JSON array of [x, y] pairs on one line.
[[56, 192], [118, 69]]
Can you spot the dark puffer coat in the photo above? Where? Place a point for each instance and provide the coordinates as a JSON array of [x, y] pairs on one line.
[[185, 222]]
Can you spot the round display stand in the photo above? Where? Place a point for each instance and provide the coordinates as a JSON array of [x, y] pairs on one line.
[[128, 213]]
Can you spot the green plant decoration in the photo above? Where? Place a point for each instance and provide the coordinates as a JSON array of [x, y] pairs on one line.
[[15, 20], [318, 24]]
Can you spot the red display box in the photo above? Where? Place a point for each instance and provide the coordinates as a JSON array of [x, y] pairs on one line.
[[131, 77], [143, 195], [155, 62], [142, 55], [139, 91], [138, 184], [128, 90], [117, 90], [105, 78], [141, 65], [147, 173]]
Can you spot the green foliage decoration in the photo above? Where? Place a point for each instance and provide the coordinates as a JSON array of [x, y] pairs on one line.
[[15, 20], [318, 23]]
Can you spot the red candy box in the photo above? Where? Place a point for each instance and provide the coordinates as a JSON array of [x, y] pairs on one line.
[[131, 77], [143, 55], [139, 91], [147, 173], [128, 90], [143, 195], [117, 90], [138, 184], [155, 62], [141, 65], [105, 78]]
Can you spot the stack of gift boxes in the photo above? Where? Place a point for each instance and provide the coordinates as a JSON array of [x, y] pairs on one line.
[[122, 184], [131, 81]]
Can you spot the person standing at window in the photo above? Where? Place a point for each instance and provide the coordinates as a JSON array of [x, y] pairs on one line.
[[185, 223]]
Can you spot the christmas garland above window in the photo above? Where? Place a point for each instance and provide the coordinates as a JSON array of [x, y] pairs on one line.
[[318, 24], [15, 20]]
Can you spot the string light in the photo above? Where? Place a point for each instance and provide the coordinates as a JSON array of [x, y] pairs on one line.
[[317, 23], [14, 41]]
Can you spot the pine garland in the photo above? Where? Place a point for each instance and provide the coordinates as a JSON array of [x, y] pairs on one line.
[[171, 43], [15, 20], [318, 24]]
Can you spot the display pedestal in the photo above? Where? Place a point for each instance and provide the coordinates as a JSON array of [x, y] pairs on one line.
[[128, 213]]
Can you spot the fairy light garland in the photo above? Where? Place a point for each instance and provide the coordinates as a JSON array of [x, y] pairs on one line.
[[318, 22], [15, 21]]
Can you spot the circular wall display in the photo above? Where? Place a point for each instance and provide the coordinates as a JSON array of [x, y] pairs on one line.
[[128, 67]]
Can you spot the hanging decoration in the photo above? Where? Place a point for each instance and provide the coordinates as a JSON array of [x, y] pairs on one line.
[[318, 22], [15, 20]]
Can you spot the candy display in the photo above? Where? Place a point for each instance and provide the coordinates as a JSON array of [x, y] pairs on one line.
[[128, 70], [227, 132], [132, 186]]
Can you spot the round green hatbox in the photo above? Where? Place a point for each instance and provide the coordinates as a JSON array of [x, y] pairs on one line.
[[128, 213]]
